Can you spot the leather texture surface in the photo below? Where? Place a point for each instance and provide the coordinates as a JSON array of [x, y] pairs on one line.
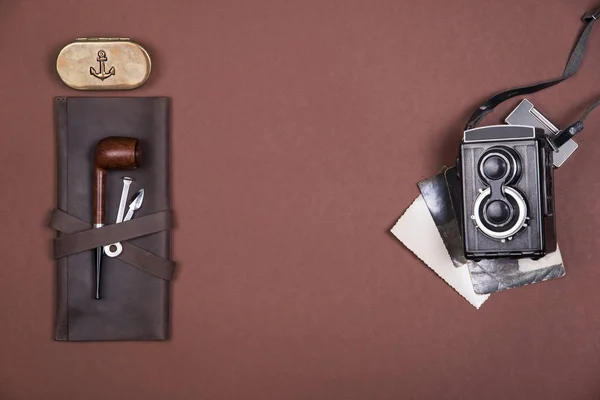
[[436, 194], [135, 304], [78, 240], [299, 131]]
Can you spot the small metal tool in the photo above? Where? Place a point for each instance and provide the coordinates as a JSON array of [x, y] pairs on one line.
[[135, 205], [124, 195], [122, 203]]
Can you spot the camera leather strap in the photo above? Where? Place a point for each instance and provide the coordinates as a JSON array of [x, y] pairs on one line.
[[571, 68]]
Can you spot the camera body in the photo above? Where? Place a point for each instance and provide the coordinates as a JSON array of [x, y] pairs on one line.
[[507, 210]]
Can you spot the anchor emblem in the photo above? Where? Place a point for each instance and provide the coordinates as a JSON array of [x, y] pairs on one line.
[[102, 75]]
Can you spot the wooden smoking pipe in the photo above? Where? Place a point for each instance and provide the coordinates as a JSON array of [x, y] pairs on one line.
[[111, 153]]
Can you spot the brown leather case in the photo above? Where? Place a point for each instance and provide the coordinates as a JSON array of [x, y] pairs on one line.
[[135, 286]]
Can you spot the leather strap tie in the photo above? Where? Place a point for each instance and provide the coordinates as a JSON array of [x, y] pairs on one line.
[[78, 236]]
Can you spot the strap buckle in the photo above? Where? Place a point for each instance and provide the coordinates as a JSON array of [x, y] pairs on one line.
[[591, 15]]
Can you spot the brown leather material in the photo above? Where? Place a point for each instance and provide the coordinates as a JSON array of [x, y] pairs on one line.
[[92, 238], [61, 324], [132, 255], [147, 262], [135, 302], [66, 223]]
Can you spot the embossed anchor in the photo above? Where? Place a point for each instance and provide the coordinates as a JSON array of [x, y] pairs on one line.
[[102, 75]]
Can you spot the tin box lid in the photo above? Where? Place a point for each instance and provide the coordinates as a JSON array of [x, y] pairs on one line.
[[103, 64]]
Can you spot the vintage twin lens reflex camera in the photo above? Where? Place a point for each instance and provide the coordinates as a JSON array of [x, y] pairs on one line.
[[506, 173]]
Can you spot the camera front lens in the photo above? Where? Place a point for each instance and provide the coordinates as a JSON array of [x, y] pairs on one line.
[[495, 167], [498, 212], [500, 218]]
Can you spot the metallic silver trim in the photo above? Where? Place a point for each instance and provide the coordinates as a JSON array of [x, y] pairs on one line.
[[535, 113], [543, 120], [513, 165], [498, 140], [521, 222]]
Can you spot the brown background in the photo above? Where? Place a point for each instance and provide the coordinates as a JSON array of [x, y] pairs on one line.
[[299, 131]]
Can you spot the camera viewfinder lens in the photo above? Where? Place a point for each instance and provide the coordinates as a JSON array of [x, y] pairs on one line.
[[495, 167]]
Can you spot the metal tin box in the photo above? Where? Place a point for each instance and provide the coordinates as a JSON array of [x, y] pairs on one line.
[[103, 64]]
